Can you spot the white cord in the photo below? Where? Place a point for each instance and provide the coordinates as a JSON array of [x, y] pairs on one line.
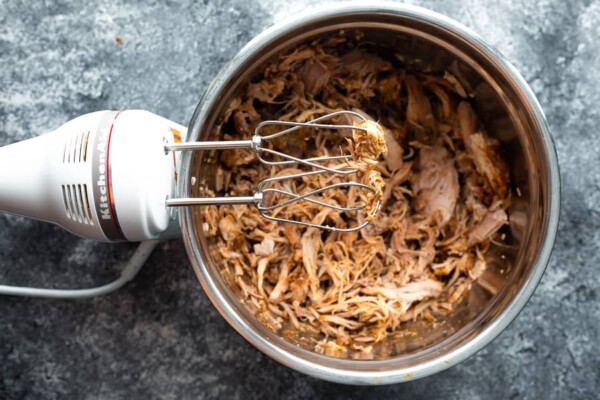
[[131, 269]]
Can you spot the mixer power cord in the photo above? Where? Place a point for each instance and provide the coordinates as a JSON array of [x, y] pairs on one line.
[[130, 270]]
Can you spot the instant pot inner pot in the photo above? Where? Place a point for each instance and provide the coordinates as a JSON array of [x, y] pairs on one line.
[[503, 111]]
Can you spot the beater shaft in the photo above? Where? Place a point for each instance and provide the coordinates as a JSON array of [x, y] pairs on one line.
[[210, 145], [211, 201]]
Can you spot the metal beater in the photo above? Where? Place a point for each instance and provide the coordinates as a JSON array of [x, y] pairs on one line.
[[258, 144]]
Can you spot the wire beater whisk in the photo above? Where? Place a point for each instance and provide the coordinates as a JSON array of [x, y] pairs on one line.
[[318, 165]]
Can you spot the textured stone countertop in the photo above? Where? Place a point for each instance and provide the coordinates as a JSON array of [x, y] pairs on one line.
[[159, 337]]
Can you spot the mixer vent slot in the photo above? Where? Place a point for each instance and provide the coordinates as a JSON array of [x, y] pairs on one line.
[[77, 204], [76, 146]]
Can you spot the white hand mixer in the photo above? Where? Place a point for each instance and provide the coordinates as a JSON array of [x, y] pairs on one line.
[[110, 176]]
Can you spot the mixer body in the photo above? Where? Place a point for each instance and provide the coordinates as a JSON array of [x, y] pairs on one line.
[[104, 176]]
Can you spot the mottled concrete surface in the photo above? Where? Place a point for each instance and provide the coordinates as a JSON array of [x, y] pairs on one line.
[[159, 337]]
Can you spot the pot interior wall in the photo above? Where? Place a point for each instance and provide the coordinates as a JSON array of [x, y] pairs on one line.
[[506, 116]]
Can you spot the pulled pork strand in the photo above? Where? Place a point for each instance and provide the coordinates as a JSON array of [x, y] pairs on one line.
[[368, 145]]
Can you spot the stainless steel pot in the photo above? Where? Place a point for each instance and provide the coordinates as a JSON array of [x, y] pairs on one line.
[[510, 112]]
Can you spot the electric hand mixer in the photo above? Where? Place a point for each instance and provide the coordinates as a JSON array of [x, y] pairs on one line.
[[110, 176]]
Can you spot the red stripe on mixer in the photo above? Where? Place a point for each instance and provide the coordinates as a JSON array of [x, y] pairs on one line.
[[109, 190]]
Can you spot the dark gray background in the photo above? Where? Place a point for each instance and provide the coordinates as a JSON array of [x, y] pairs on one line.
[[159, 337]]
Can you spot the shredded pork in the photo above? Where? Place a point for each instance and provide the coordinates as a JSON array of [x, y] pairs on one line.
[[440, 178], [368, 145]]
